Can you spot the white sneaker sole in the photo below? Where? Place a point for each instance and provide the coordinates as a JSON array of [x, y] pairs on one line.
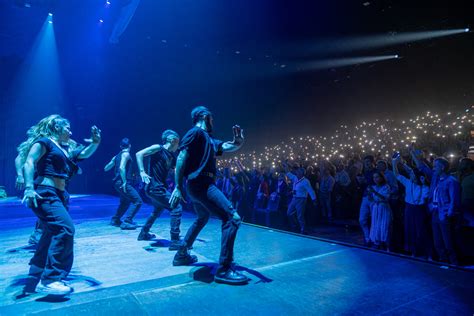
[[47, 290]]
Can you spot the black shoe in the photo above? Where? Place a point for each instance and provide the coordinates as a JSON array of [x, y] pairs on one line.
[[131, 222], [115, 223], [146, 236], [175, 244], [230, 276], [128, 226], [184, 259]]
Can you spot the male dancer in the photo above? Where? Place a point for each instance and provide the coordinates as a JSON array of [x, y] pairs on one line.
[[128, 195], [162, 159], [197, 162]]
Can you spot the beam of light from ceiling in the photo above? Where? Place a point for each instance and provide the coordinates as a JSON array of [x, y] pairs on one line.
[[38, 88]]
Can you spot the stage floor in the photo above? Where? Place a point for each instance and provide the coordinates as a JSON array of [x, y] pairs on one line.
[[113, 273]]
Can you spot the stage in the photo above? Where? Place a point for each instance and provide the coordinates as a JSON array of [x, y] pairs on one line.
[[113, 273]]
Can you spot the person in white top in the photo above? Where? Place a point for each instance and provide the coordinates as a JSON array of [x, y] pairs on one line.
[[301, 189], [416, 217]]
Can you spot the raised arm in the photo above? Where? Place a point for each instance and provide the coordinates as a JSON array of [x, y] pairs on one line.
[[94, 142], [238, 141], [143, 153]]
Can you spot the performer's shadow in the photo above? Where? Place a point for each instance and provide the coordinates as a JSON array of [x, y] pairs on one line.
[[28, 285], [205, 272], [157, 243], [26, 248]]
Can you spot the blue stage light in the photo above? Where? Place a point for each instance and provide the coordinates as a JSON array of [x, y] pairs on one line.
[[466, 30], [50, 14], [101, 21]]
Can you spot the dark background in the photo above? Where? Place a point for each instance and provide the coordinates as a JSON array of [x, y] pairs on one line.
[[228, 55]]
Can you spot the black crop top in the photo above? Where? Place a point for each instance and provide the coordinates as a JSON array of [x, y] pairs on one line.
[[54, 162]]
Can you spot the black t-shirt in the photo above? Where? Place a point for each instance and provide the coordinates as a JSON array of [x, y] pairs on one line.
[[160, 164], [54, 163], [128, 168], [202, 149]]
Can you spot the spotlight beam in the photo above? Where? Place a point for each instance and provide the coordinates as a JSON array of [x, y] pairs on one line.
[[343, 62], [376, 41]]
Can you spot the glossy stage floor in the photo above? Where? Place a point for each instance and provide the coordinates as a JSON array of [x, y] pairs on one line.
[[115, 274]]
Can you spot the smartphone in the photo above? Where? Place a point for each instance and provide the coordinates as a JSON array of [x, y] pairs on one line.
[[396, 155]]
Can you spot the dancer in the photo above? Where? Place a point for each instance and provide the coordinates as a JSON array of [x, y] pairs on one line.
[[197, 162], [50, 149], [128, 195], [162, 159]]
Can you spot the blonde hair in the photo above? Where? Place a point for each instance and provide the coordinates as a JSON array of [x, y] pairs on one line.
[[44, 128]]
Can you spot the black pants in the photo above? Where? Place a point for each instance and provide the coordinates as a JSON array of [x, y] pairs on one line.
[[55, 248], [131, 196], [159, 197], [443, 235], [208, 199], [416, 230]]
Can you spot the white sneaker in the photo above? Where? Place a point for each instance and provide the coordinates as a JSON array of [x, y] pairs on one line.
[[53, 288]]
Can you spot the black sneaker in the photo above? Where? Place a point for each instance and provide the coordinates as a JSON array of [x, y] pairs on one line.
[[146, 236], [184, 259], [128, 226], [131, 222], [230, 276], [115, 223]]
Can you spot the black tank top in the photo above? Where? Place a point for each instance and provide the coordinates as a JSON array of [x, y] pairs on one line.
[[160, 164], [128, 167], [54, 163]]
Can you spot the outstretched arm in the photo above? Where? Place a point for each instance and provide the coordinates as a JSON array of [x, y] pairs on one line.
[[143, 153], [237, 142], [110, 165]]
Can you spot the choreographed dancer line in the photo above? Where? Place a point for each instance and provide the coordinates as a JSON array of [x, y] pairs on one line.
[[51, 152], [122, 164], [162, 160], [197, 162]]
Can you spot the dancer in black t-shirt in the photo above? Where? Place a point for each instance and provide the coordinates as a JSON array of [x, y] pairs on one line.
[[197, 162], [162, 159]]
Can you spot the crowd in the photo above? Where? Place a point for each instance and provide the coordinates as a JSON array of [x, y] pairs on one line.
[[410, 185]]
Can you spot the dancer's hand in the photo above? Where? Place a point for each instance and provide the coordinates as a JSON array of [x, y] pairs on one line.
[[238, 134], [176, 196], [236, 216], [20, 182], [30, 197], [124, 187], [145, 177], [95, 135]]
